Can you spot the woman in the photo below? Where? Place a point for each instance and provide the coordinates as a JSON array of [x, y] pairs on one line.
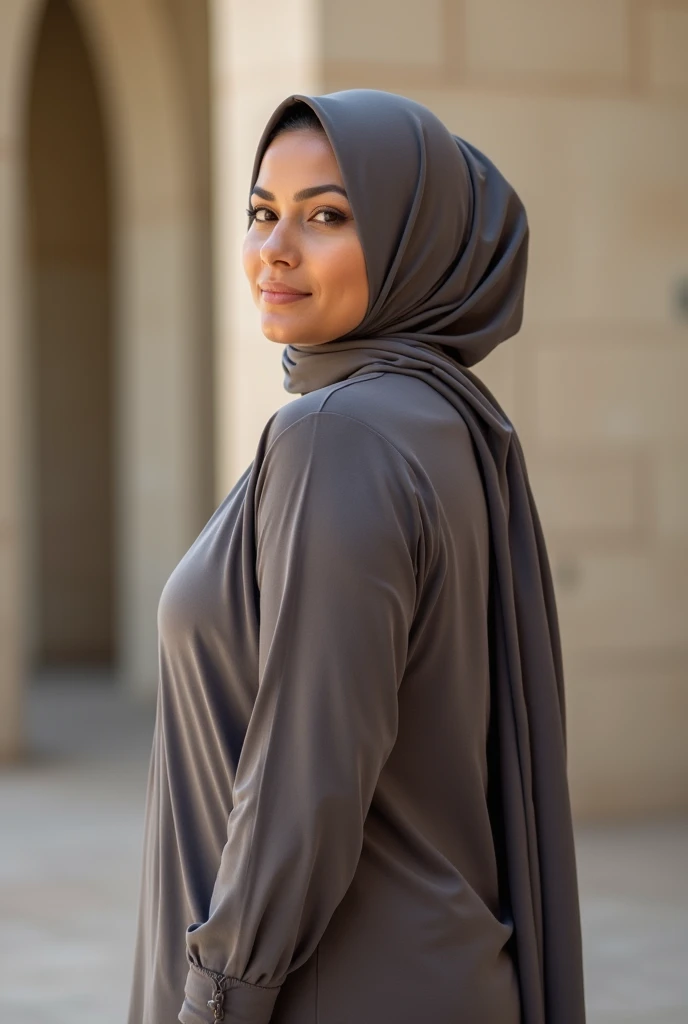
[[357, 808]]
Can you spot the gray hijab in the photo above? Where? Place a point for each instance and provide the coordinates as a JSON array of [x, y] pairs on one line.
[[445, 240]]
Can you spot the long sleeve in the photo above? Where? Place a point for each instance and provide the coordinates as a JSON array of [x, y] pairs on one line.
[[338, 530]]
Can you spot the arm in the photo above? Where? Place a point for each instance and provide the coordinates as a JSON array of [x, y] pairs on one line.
[[337, 530]]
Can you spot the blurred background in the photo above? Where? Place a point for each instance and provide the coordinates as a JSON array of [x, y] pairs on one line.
[[134, 383]]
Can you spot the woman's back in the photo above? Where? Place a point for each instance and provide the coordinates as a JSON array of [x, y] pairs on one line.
[[420, 933]]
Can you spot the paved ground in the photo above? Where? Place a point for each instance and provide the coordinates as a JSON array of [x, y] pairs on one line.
[[69, 868]]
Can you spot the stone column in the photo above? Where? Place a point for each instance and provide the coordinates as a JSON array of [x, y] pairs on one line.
[[17, 20], [254, 64], [156, 315]]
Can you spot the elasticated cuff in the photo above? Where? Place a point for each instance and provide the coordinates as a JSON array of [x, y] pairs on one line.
[[212, 998]]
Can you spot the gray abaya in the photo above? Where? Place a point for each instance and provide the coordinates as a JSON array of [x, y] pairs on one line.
[[357, 807]]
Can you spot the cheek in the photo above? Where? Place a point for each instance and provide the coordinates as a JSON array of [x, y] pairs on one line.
[[344, 281], [250, 255]]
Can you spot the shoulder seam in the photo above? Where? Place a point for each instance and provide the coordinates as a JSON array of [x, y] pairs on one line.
[[315, 413]]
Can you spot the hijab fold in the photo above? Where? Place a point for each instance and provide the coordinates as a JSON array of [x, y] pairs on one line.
[[445, 239]]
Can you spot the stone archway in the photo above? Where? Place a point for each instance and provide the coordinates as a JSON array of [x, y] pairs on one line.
[[68, 248], [159, 320], [160, 329]]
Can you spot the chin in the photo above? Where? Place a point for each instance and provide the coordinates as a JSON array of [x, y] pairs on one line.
[[275, 332], [282, 334]]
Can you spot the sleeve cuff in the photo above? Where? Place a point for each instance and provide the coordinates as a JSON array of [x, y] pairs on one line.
[[211, 998]]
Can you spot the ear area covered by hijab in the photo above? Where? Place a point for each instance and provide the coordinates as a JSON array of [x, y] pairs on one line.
[[445, 236], [445, 239]]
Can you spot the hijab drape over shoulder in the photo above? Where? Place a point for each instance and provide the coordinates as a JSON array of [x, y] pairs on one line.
[[445, 240], [357, 807]]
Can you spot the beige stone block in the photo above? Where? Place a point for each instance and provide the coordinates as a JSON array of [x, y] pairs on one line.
[[611, 393], [630, 208], [588, 337], [667, 41], [383, 31], [671, 468], [580, 38], [626, 736], [603, 181], [613, 600], [592, 496], [528, 139], [263, 42]]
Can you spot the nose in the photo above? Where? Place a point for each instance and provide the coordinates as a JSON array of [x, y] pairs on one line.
[[280, 245]]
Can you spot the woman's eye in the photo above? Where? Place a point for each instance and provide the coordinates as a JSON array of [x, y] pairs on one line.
[[329, 216], [262, 214]]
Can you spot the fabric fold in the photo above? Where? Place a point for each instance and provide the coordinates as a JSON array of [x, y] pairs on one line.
[[527, 670]]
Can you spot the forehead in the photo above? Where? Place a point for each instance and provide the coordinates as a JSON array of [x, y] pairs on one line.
[[299, 159]]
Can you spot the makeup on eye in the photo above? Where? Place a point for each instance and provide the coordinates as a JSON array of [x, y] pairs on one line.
[[337, 216], [302, 195]]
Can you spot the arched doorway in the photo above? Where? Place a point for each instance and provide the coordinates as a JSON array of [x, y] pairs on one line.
[[147, 301], [71, 360]]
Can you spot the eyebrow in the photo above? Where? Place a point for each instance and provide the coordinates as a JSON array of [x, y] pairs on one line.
[[305, 193]]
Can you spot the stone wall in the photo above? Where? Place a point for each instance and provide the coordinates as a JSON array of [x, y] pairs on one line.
[[584, 105]]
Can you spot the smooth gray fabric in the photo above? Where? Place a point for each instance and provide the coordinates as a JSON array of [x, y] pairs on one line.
[[357, 807]]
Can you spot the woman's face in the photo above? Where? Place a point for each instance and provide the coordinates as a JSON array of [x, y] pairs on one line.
[[302, 254]]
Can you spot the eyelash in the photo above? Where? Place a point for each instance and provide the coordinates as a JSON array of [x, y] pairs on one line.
[[338, 217]]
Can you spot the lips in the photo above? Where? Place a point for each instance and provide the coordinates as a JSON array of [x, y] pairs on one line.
[[276, 294]]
